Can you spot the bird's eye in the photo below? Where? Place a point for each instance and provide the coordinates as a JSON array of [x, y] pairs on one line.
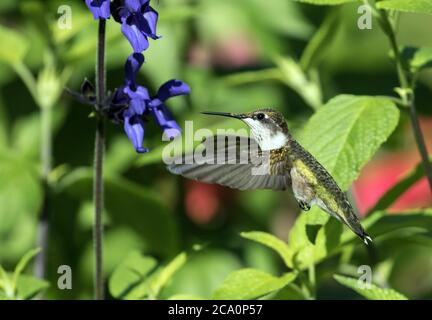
[[260, 116]]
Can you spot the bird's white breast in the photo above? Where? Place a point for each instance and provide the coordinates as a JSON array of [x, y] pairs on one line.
[[266, 138]]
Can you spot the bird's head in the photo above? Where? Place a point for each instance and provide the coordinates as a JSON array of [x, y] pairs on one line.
[[268, 126]]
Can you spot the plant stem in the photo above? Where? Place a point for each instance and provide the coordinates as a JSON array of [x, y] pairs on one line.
[[98, 186], [43, 227], [407, 96], [312, 280], [421, 145], [45, 152]]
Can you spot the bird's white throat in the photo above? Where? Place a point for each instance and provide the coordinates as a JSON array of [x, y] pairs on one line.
[[266, 138]]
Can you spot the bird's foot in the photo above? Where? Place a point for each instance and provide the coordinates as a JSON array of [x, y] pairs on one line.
[[304, 206]]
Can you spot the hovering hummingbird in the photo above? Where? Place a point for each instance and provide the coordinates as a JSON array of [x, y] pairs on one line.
[[288, 165]]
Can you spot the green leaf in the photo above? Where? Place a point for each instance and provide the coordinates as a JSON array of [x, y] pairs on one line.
[[6, 284], [131, 272], [29, 287], [23, 263], [399, 188], [18, 286], [345, 133], [161, 278], [150, 286], [185, 297], [203, 272], [272, 242], [372, 293], [325, 2], [20, 191], [290, 292], [26, 135], [14, 46], [417, 58], [119, 242], [414, 6], [247, 284], [314, 236]]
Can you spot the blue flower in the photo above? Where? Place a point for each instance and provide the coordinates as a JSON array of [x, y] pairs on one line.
[[131, 103], [99, 8], [138, 21], [161, 113], [134, 128]]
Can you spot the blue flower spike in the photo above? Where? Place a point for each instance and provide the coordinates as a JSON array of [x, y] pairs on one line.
[[132, 103]]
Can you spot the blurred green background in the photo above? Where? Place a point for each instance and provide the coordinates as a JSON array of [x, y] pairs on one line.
[[236, 56]]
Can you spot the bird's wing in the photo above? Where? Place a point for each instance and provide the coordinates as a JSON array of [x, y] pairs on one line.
[[236, 162]]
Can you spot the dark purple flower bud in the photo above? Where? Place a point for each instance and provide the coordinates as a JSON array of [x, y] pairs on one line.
[[165, 120], [120, 98], [132, 66], [134, 128], [172, 88], [99, 8]]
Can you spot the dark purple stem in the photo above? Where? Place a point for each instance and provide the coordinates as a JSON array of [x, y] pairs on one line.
[[98, 185]]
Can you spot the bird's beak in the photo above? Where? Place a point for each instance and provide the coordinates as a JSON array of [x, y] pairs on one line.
[[227, 114]]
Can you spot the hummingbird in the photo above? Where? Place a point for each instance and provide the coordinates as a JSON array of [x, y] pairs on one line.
[[288, 165]]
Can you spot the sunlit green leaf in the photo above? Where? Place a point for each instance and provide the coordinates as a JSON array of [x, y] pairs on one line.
[[28, 287], [133, 271], [272, 242], [314, 236], [325, 2], [14, 45], [20, 190], [417, 58], [7, 287], [251, 284], [119, 241], [185, 297], [372, 292], [414, 6], [346, 132], [26, 132], [162, 276], [202, 273], [23, 263]]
